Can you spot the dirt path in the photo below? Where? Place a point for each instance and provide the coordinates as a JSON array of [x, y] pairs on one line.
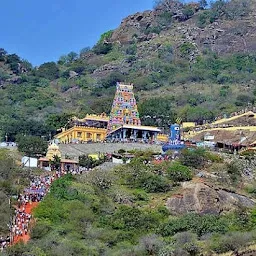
[[25, 237]]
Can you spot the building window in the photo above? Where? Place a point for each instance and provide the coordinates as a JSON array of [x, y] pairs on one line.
[[88, 135], [79, 134]]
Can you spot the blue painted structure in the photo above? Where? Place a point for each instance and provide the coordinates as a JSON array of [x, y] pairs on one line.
[[174, 142]]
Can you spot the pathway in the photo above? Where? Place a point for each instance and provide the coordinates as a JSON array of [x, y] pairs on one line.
[[24, 237]]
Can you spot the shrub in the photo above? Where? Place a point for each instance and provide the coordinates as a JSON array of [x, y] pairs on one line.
[[187, 241], [102, 48], [48, 70], [178, 172], [233, 171], [153, 183], [151, 244], [155, 30], [131, 49], [194, 222], [213, 157], [194, 158], [121, 151], [203, 19], [186, 49], [231, 242], [59, 188], [41, 229], [164, 19], [101, 179], [112, 79], [140, 195], [188, 12], [243, 100], [131, 218]]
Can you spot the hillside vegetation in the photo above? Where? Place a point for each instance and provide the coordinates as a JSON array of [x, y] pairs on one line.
[[183, 59], [123, 212]]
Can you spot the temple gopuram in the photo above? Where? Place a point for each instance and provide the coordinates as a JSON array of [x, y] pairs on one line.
[[123, 124]]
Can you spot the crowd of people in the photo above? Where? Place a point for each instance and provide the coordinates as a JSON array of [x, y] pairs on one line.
[[33, 194]]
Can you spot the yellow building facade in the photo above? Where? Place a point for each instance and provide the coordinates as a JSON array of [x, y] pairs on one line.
[[87, 134], [82, 134]]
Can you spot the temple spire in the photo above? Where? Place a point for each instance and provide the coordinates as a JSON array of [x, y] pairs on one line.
[[124, 108]]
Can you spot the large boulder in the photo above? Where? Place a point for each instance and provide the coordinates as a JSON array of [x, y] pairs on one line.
[[202, 198]]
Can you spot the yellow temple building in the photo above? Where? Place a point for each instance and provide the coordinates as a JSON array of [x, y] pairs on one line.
[[91, 128], [53, 150], [123, 124]]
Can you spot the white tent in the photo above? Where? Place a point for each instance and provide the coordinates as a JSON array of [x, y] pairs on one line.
[[29, 161]]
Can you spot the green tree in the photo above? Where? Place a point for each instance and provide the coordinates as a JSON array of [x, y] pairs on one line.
[[72, 56], [178, 172], [48, 70], [193, 158], [153, 183], [233, 170], [32, 145], [84, 50], [186, 49], [86, 161], [13, 128], [26, 65], [203, 4], [58, 120], [101, 179], [63, 60], [7, 165], [14, 62], [112, 79], [3, 54], [103, 46], [55, 163], [188, 12]]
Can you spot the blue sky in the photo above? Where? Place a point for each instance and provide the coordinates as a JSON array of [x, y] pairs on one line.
[[42, 31]]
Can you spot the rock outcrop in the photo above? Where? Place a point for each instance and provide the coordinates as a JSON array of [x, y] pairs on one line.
[[202, 198], [134, 26]]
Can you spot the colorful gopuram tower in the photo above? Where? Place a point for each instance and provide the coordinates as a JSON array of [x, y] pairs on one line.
[[124, 108]]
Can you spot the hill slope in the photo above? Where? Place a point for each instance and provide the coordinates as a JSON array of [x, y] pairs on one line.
[[182, 59]]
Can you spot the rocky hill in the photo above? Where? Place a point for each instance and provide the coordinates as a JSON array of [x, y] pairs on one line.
[[183, 59]]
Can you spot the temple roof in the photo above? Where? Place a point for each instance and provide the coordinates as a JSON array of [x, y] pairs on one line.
[[137, 127], [102, 117]]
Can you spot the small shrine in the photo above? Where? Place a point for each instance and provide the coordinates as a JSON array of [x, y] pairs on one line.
[[53, 152]]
